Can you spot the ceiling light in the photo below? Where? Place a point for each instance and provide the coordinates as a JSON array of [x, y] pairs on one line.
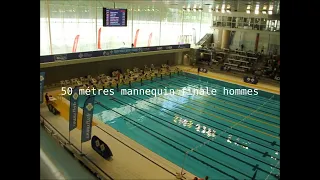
[[264, 12], [248, 11], [270, 7]]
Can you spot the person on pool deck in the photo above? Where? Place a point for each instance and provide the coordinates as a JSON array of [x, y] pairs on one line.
[[46, 97], [205, 178]]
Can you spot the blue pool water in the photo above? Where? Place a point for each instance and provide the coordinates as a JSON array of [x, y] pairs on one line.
[[239, 122]]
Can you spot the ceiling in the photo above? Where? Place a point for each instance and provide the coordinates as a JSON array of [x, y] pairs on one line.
[[235, 5], [238, 5]]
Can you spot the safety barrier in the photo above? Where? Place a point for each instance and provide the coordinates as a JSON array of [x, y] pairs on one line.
[[92, 54]]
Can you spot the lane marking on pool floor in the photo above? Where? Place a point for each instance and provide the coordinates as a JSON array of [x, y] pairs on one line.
[[243, 107], [240, 106], [123, 103], [219, 117], [231, 127], [232, 112], [125, 117], [275, 117], [136, 98], [236, 82]]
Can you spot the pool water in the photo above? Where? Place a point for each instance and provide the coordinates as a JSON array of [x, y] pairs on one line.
[[247, 128]]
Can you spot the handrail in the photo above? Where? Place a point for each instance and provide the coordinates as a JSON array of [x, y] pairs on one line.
[[62, 140]]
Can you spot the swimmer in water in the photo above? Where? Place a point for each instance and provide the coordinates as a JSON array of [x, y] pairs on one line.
[[203, 129], [190, 123], [213, 134], [209, 132], [184, 122], [198, 127], [176, 118]]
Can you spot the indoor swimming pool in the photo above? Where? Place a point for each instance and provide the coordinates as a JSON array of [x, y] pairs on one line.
[[224, 136]]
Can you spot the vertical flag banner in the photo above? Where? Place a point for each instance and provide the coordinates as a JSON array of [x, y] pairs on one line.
[[99, 38], [149, 40], [87, 119], [42, 74], [75, 43], [136, 38], [73, 114]]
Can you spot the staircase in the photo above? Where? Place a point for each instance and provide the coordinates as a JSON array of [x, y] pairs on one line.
[[206, 39]]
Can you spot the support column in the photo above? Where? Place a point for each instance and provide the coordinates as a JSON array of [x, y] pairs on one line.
[[49, 25], [178, 58], [225, 39], [218, 41]]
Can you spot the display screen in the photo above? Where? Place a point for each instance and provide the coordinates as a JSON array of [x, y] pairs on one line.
[[114, 17]]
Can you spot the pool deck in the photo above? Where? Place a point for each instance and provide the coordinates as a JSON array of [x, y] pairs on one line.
[[130, 159]]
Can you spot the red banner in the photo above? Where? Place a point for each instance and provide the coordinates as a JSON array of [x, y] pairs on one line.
[[99, 38], [149, 40], [75, 43], [136, 38]]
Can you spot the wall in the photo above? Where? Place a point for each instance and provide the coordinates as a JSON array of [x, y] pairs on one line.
[[274, 43], [236, 42], [248, 39], [55, 74], [62, 21]]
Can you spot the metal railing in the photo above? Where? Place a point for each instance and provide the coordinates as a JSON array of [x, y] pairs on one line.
[[72, 149]]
